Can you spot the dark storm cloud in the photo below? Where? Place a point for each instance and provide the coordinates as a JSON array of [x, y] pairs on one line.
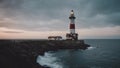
[[106, 6], [42, 14], [100, 13]]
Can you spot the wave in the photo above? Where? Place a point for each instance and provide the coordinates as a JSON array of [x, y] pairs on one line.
[[48, 60], [91, 48]]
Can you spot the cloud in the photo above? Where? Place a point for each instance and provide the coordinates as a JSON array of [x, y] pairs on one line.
[[93, 9], [45, 15], [92, 33], [7, 30], [12, 32]]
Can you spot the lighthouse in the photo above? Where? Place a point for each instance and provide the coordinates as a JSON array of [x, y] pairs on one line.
[[72, 35]]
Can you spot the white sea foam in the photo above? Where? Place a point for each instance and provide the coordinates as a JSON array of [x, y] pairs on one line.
[[49, 60], [91, 48]]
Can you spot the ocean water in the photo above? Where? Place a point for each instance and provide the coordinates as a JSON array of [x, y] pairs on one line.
[[103, 53]]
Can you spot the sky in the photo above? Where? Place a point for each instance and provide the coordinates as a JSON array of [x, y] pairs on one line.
[[38, 19]]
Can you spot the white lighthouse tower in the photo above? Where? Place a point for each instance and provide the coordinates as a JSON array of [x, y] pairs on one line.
[[72, 35]]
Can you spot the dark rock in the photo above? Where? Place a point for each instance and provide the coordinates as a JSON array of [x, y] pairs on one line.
[[23, 53]]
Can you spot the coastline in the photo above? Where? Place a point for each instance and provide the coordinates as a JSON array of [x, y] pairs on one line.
[[23, 53]]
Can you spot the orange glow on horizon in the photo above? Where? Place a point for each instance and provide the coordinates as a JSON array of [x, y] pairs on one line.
[[83, 33]]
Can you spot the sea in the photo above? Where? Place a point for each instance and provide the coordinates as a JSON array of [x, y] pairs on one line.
[[103, 53]]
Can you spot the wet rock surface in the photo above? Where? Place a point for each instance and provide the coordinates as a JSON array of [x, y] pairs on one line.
[[23, 53]]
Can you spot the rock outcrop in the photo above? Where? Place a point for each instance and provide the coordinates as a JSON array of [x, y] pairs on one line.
[[23, 53]]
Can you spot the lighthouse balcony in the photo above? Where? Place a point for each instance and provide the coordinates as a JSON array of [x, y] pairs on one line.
[[72, 17]]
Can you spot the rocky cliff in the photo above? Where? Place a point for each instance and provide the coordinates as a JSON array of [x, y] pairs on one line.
[[23, 53]]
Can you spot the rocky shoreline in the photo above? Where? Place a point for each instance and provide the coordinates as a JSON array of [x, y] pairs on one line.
[[23, 53]]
